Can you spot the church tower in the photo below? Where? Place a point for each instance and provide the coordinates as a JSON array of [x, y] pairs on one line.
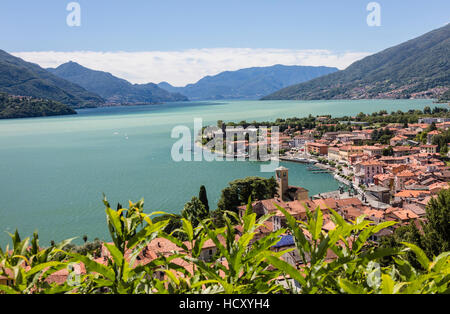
[[282, 177]]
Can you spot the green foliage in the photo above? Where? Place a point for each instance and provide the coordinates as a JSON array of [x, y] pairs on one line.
[[241, 265], [434, 239], [389, 151], [436, 232], [442, 140], [239, 191], [194, 211], [28, 265], [203, 197], [445, 97], [88, 248], [382, 136], [174, 223], [14, 107]]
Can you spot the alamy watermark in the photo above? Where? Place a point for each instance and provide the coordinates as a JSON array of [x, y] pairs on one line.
[[215, 143], [374, 17], [74, 277], [74, 17]]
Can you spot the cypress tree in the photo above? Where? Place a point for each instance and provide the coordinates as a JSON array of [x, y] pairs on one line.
[[203, 197]]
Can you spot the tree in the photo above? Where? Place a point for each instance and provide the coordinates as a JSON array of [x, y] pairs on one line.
[[239, 191], [408, 233], [434, 238], [203, 197], [436, 231], [389, 151], [441, 140], [174, 223], [444, 150], [194, 211], [12, 107], [432, 127]]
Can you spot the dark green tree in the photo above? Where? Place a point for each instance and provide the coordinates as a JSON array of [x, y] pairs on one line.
[[203, 197], [436, 231], [194, 211], [434, 238], [409, 233], [174, 224], [239, 191], [389, 151]]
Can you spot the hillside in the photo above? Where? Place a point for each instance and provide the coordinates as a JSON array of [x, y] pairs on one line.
[[418, 68], [251, 83], [27, 107], [18, 77], [445, 97], [114, 89]]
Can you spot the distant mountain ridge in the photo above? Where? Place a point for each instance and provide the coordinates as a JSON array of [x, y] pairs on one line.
[[114, 89], [250, 83], [18, 77], [418, 68]]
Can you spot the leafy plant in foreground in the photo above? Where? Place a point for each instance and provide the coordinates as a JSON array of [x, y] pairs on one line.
[[342, 260]]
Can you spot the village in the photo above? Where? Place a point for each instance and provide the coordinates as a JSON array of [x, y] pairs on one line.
[[385, 182]]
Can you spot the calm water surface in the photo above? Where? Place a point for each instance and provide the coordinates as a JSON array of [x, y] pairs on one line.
[[54, 170]]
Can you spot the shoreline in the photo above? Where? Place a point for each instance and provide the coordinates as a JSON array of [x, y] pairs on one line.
[[304, 161]]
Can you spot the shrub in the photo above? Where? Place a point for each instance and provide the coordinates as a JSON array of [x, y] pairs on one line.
[[246, 265]]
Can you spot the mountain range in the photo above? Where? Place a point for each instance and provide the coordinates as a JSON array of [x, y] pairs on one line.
[[18, 77], [250, 83], [113, 89], [418, 68]]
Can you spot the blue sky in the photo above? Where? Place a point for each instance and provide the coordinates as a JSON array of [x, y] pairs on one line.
[[338, 27]]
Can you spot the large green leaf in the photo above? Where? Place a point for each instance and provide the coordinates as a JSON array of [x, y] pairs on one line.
[[317, 224], [287, 269], [188, 229], [440, 262], [115, 253], [146, 232], [92, 266], [8, 290], [420, 254], [350, 287], [387, 284], [43, 266]]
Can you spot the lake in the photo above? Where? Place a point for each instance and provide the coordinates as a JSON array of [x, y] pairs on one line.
[[54, 170]]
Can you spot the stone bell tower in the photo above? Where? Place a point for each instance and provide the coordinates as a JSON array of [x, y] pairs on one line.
[[282, 176]]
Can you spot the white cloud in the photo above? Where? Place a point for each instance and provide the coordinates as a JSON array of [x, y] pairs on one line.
[[188, 66]]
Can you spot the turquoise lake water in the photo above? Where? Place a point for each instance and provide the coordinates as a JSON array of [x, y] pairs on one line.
[[54, 170]]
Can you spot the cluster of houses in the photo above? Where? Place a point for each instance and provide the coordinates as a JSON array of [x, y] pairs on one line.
[[296, 201], [409, 173]]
